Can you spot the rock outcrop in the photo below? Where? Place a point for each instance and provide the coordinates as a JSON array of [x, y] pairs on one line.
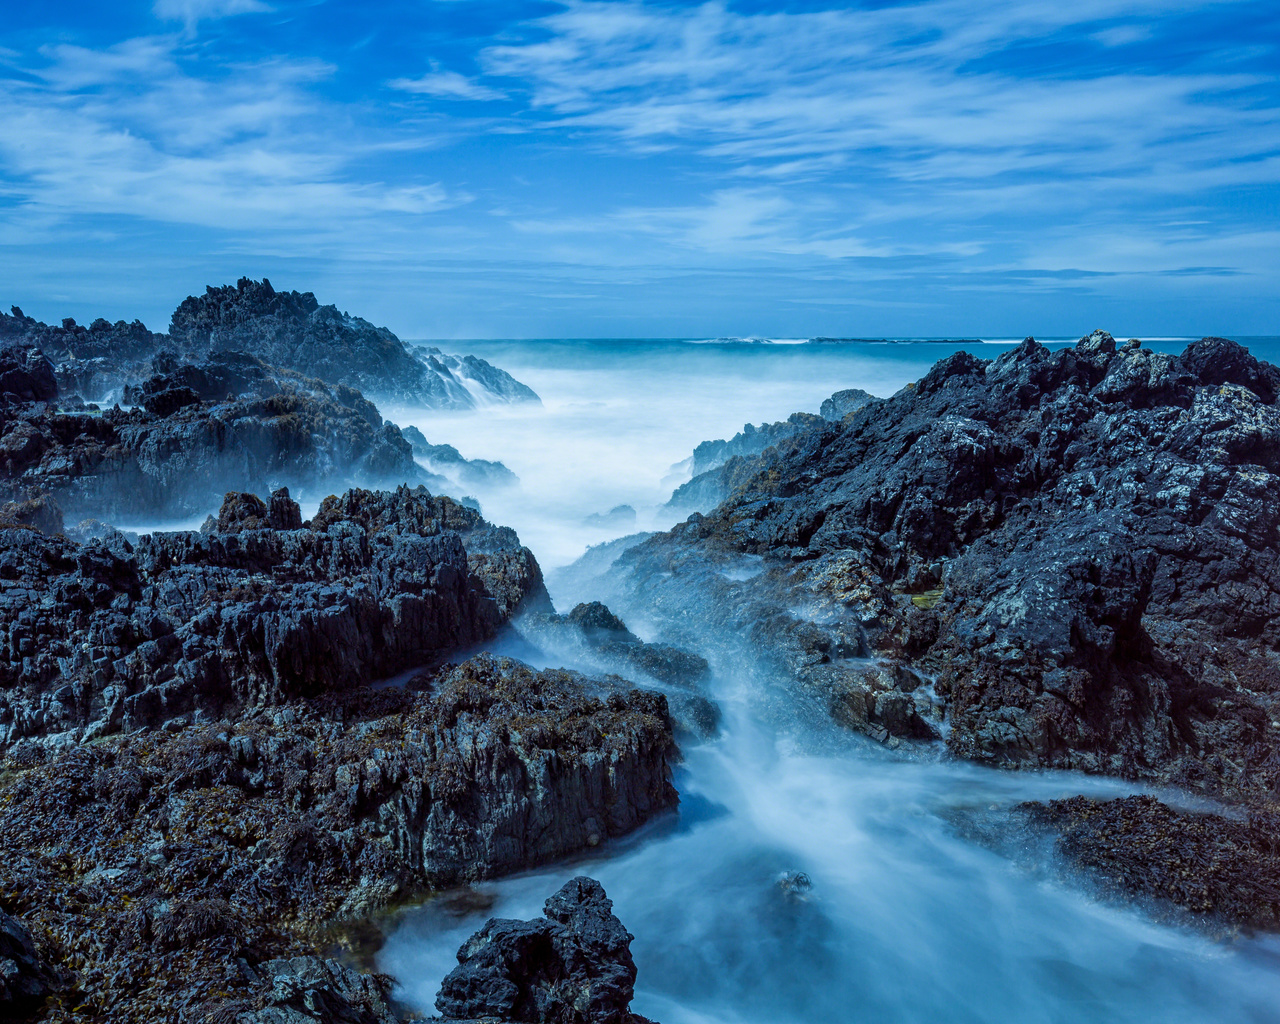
[[103, 635], [293, 331], [193, 873], [448, 462], [1073, 552], [842, 403], [229, 422], [572, 967], [592, 635], [718, 467]]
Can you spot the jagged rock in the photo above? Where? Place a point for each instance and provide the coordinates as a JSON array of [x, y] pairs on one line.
[[25, 979], [104, 635], [447, 460], [1079, 545], [197, 863], [839, 405], [572, 967], [26, 375], [1219, 869], [719, 467], [492, 382], [304, 989], [292, 330], [233, 424], [600, 639], [96, 360]]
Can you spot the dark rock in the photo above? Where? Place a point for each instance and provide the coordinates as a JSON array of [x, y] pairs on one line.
[[108, 635], [26, 375], [25, 979], [842, 403], [1219, 869], [1077, 546], [197, 864], [718, 467], [283, 513], [178, 459], [292, 330], [40, 513], [573, 967]]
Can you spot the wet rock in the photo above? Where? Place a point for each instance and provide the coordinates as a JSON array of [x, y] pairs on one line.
[[305, 989], [448, 461], [573, 967], [1221, 870]]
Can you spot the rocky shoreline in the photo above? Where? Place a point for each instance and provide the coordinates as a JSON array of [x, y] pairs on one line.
[[1058, 560]]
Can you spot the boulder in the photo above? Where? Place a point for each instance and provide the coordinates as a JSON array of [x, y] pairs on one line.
[[572, 967]]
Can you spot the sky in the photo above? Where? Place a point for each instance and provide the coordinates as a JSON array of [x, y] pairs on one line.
[[466, 168]]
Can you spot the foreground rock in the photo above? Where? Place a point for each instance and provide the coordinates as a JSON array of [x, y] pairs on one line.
[[572, 967], [193, 874], [26, 981], [1071, 554], [1220, 870], [258, 609]]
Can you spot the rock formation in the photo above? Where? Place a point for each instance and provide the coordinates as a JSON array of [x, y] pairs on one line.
[[1071, 552], [572, 967], [104, 636], [717, 466], [192, 872]]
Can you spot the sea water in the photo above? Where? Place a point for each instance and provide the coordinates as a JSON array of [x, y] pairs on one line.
[[928, 902]]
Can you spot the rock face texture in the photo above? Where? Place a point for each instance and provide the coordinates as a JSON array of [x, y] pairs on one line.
[[104, 635], [25, 979], [1074, 553], [191, 873], [839, 405], [572, 967], [93, 362]]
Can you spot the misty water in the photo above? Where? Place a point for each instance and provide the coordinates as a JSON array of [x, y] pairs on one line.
[[928, 902]]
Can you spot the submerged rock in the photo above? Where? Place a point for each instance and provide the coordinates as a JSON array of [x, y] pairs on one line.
[[572, 967]]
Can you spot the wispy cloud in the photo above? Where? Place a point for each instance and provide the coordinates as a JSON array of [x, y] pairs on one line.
[[128, 130], [447, 85], [192, 11]]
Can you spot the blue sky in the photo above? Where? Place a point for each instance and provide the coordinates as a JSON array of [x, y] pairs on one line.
[[461, 168]]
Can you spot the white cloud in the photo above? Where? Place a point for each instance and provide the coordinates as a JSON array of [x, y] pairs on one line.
[[127, 130], [447, 85], [191, 11]]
